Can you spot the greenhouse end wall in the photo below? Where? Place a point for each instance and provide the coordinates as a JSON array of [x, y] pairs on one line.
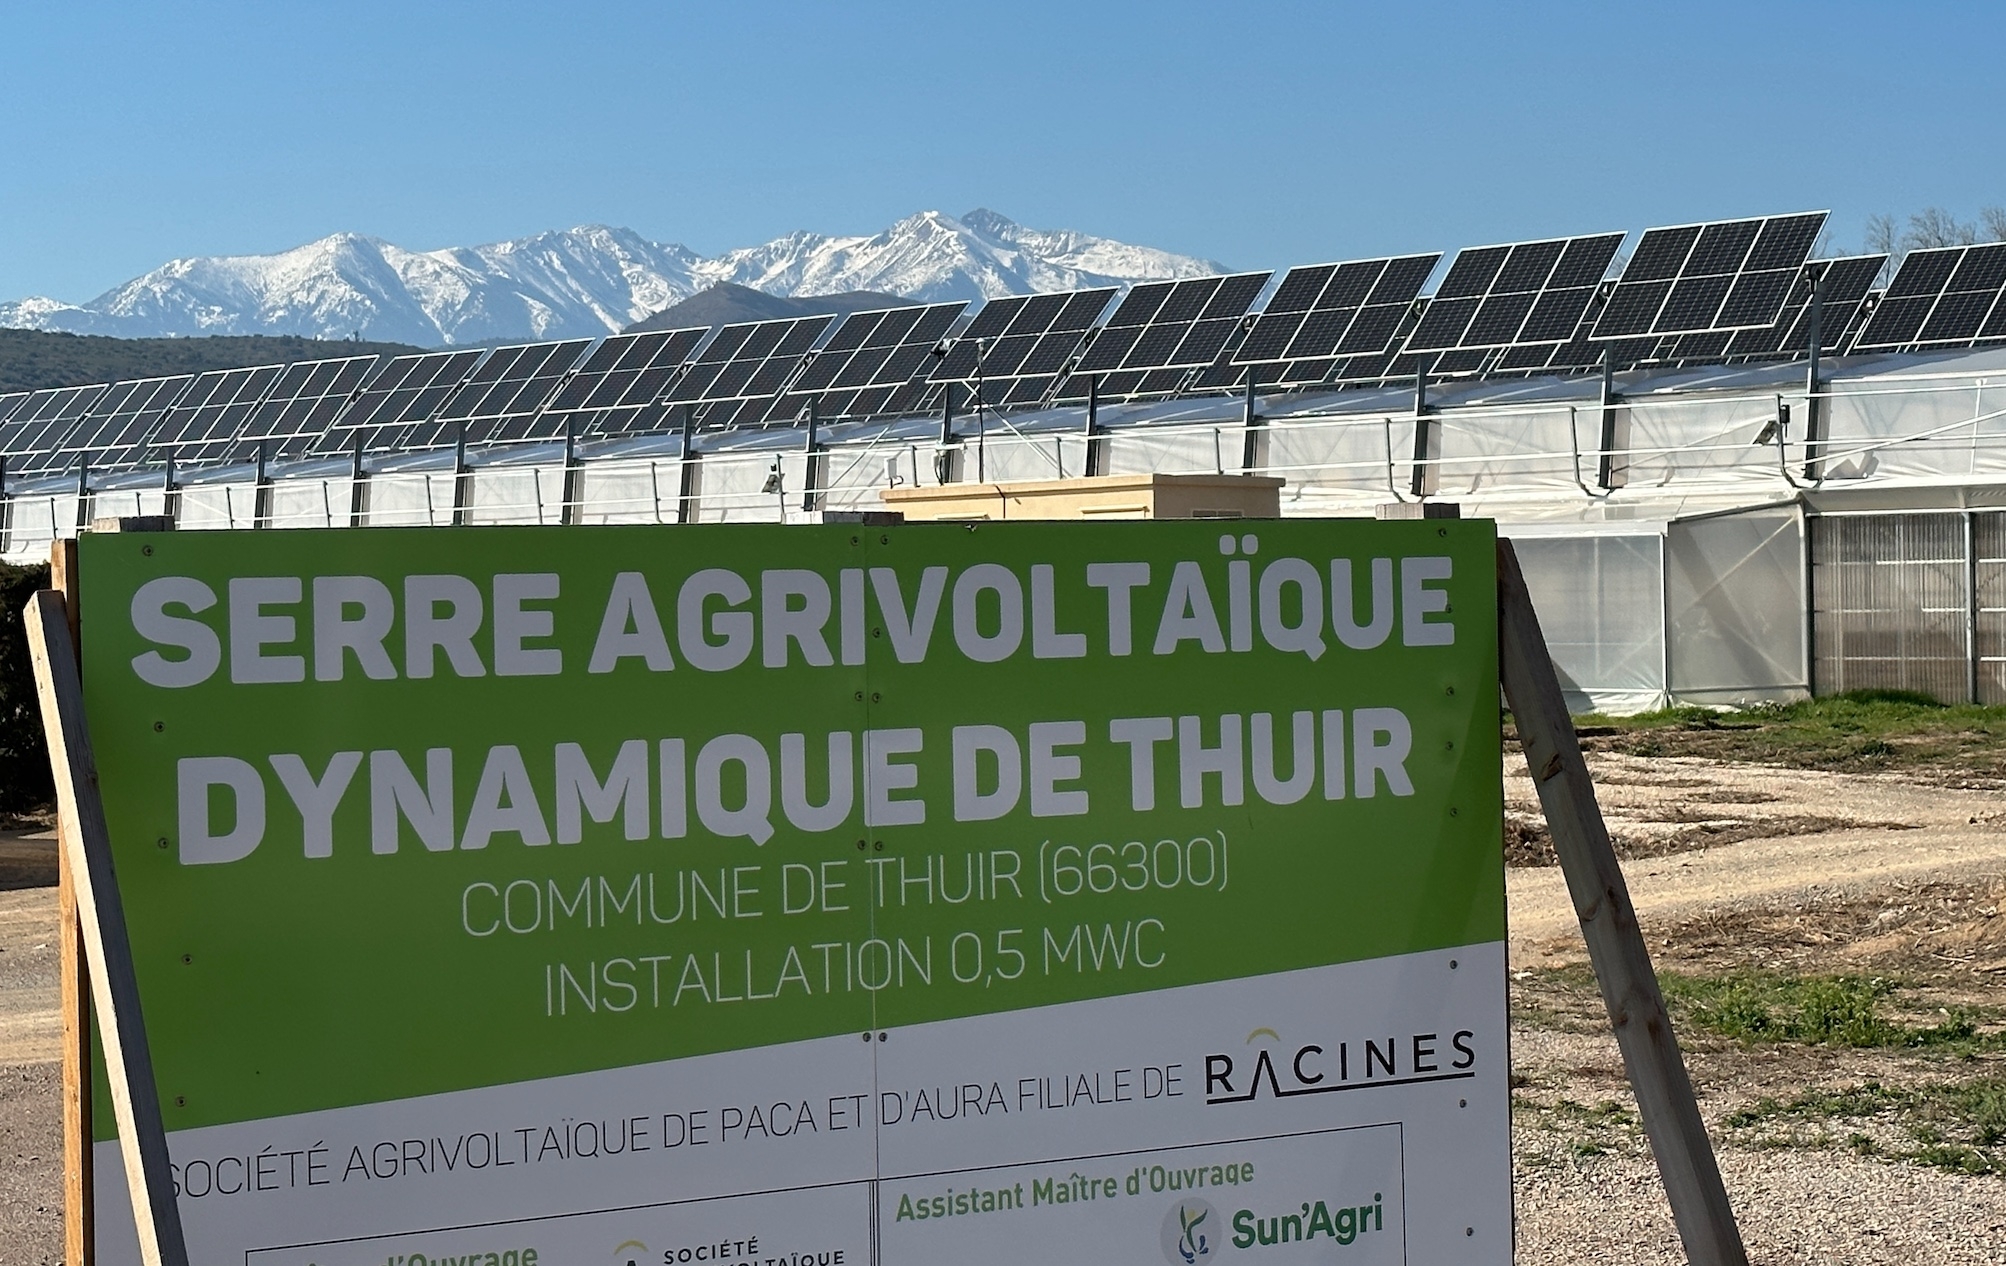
[[1708, 610], [1911, 601]]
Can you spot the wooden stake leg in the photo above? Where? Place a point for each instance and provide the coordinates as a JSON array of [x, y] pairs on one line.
[[73, 968], [1609, 925], [73, 972], [101, 914]]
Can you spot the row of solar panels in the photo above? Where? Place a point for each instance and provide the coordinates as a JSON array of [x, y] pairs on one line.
[[1721, 292]]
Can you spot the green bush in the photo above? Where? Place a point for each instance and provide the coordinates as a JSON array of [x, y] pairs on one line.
[[25, 785], [1814, 1010], [1905, 698]]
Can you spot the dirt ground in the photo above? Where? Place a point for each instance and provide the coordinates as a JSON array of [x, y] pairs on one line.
[[31, 1229], [1879, 1144], [1832, 1153]]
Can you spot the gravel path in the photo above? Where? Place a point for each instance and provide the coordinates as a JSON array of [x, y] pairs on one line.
[[1810, 1207], [1941, 834], [31, 1227]]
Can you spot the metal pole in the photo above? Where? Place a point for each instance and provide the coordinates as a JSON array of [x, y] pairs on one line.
[[462, 479], [1664, 608], [1970, 607], [981, 419], [573, 476], [1813, 405], [809, 482], [1417, 479], [261, 492], [1253, 422], [358, 486], [1097, 443], [1605, 475], [946, 454], [688, 470], [1805, 582]]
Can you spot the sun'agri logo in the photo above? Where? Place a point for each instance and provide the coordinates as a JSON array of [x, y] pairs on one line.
[[1189, 1231], [1324, 1068], [1312, 1221]]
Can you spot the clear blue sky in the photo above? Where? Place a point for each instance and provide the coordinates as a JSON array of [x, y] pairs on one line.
[[1258, 134]]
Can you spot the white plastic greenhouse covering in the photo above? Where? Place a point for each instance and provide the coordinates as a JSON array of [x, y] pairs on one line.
[[1601, 605], [1663, 531], [1734, 599], [1694, 611]]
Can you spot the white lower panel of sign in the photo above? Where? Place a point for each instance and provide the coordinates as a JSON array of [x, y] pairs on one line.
[[1379, 1085], [819, 1226], [1320, 1197]]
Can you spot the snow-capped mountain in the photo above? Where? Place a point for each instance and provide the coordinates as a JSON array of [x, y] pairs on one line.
[[581, 282], [936, 257]]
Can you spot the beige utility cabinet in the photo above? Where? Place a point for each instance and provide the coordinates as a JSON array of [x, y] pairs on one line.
[[1099, 497]]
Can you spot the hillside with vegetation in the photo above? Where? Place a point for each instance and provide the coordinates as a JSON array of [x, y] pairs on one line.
[[33, 359]]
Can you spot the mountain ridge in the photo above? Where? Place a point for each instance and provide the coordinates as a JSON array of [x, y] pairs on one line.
[[581, 282], [727, 303]]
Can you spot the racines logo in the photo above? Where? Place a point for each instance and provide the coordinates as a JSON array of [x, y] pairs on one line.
[[1279, 1071]]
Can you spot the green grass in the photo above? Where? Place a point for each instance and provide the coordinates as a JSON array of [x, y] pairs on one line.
[[1958, 1126], [1578, 1131], [1845, 1011], [1860, 729]]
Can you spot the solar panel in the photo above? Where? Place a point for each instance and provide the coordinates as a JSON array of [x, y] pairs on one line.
[[1846, 283], [874, 364], [502, 398], [738, 377], [1016, 348], [1163, 330], [1332, 322], [1517, 294], [301, 405], [9, 402], [30, 439], [204, 423], [619, 388], [388, 413], [121, 422], [1944, 297], [1724, 275]]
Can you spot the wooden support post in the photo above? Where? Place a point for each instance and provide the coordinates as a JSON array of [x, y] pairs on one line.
[[86, 845], [73, 972], [1622, 964]]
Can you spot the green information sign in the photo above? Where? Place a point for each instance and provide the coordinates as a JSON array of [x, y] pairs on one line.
[[762, 894]]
